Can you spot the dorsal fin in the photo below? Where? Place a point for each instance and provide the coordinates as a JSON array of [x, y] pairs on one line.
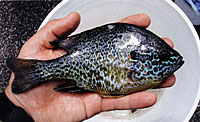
[[71, 41]]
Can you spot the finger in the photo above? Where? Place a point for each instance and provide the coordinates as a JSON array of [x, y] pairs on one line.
[[142, 20], [66, 25], [57, 29], [168, 83], [168, 41], [92, 104], [136, 100]]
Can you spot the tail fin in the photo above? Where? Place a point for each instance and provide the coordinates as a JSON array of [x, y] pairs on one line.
[[25, 74]]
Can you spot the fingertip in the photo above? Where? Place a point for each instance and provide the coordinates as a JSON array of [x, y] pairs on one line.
[[73, 17], [170, 81], [142, 20], [168, 41], [58, 29], [67, 25], [74, 14], [144, 99], [133, 101]]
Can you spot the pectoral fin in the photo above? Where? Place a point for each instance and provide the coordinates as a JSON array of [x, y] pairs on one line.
[[69, 86], [66, 44]]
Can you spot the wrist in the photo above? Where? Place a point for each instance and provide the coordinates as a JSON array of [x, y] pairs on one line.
[[10, 108], [9, 93], [9, 112]]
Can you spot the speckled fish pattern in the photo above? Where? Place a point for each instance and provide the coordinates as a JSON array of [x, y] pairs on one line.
[[113, 59]]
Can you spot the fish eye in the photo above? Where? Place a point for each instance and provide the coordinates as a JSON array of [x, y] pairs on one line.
[[164, 55], [134, 55]]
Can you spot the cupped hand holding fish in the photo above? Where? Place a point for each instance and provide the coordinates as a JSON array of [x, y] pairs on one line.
[[44, 104]]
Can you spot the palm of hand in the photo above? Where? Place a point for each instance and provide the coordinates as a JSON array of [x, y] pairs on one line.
[[44, 104], [42, 101]]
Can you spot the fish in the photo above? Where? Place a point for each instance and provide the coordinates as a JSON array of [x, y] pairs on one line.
[[114, 59]]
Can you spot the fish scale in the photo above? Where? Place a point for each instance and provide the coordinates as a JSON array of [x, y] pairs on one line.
[[113, 59]]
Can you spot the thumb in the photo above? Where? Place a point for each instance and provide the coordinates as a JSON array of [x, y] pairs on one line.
[[57, 29]]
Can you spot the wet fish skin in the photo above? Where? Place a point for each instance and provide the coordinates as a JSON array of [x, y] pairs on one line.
[[113, 59]]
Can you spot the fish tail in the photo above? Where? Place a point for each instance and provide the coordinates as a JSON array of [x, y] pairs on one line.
[[26, 74]]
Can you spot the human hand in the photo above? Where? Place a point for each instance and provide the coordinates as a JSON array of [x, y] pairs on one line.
[[44, 104]]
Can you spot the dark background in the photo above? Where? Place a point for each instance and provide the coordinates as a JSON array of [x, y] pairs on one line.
[[18, 22]]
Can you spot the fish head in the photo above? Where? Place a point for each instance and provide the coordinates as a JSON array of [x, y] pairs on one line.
[[169, 60], [154, 63]]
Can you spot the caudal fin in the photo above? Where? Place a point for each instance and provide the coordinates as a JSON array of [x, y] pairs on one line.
[[25, 74]]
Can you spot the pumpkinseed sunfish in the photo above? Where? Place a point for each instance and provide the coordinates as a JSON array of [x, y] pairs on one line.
[[113, 59]]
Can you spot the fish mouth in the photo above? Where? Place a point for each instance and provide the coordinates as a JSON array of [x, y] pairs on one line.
[[179, 63]]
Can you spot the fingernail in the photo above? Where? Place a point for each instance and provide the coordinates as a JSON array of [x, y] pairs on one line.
[[142, 17], [70, 15], [171, 78]]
